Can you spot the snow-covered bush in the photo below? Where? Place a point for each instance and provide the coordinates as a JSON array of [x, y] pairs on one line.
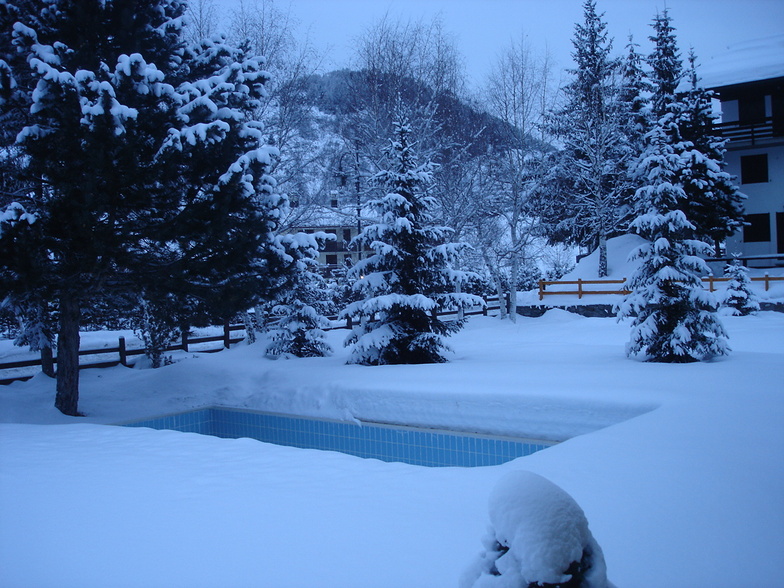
[[298, 314], [739, 300], [538, 538], [154, 324]]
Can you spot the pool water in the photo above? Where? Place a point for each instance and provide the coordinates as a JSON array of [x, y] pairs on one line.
[[412, 445]]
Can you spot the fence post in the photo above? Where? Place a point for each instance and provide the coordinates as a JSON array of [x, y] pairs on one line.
[[710, 283], [185, 340], [767, 281], [349, 322], [579, 288], [541, 289], [123, 354], [484, 308], [226, 335]]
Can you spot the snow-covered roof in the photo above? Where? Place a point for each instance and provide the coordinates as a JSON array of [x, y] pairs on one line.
[[749, 61], [344, 216]]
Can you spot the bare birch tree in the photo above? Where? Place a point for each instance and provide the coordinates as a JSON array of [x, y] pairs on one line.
[[520, 92]]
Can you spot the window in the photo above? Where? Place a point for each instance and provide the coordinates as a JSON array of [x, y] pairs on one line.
[[751, 109], [347, 236], [754, 168], [757, 228], [332, 259], [332, 244]]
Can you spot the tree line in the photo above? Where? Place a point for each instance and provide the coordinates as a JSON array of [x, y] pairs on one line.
[[156, 169]]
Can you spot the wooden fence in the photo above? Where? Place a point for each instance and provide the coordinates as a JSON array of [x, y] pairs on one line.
[[583, 291], [122, 352]]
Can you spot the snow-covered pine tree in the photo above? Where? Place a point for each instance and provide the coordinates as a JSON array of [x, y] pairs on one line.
[[596, 150], [675, 317], [303, 304], [634, 95], [151, 171], [739, 299], [713, 202], [20, 290], [408, 277], [665, 63], [634, 113], [36, 330]]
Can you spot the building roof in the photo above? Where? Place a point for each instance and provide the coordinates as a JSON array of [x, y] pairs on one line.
[[749, 61]]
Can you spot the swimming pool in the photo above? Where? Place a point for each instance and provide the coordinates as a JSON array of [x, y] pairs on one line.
[[413, 445]]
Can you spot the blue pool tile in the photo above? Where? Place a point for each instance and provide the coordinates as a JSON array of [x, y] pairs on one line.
[[414, 446]]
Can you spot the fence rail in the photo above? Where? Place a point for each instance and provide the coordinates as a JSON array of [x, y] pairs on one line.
[[582, 291], [766, 128], [122, 352]]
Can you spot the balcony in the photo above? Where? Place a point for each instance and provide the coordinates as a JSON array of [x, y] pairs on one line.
[[762, 131]]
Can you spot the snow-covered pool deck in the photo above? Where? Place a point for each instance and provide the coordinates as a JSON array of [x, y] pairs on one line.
[[679, 468]]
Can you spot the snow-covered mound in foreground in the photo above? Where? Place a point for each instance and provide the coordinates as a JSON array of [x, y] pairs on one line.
[[538, 536]]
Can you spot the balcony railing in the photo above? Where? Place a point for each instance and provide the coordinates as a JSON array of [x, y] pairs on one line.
[[752, 133]]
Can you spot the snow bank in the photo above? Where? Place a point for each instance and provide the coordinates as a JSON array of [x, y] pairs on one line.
[[678, 468]]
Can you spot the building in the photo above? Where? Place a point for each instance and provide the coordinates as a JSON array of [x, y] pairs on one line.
[[749, 81], [344, 223]]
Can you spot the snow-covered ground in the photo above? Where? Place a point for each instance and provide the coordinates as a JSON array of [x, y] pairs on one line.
[[678, 468]]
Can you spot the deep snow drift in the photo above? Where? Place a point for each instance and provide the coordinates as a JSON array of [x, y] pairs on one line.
[[678, 468]]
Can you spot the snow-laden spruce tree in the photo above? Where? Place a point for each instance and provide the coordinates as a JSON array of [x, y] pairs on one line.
[[150, 171], [592, 166], [634, 95], [299, 314], [665, 63], [713, 202], [739, 299], [674, 316], [409, 276], [19, 291]]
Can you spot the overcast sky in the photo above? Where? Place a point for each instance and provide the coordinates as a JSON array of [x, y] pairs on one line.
[[483, 27]]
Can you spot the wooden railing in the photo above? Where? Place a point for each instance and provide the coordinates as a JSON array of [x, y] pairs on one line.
[[582, 291], [738, 132], [122, 352]]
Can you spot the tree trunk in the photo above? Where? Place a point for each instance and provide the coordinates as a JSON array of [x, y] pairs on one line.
[[515, 271], [602, 256], [67, 398], [499, 287], [47, 361], [460, 309]]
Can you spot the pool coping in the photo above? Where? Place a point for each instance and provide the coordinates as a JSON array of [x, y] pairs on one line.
[[353, 421]]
